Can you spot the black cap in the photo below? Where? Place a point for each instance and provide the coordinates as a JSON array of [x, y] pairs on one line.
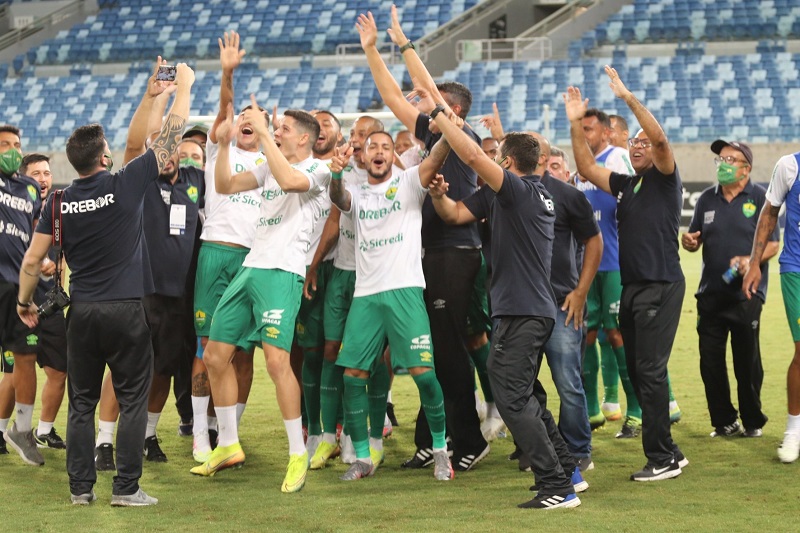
[[719, 144]]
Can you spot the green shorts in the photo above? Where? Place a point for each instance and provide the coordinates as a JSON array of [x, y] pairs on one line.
[[261, 300], [602, 302], [478, 320], [790, 289], [309, 328], [397, 314], [338, 299], [217, 265]]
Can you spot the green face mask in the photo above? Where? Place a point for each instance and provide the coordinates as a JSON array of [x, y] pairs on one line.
[[189, 162], [110, 164], [726, 174], [10, 162]]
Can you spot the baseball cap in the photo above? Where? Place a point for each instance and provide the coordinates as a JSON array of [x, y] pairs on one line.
[[719, 144], [195, 129]]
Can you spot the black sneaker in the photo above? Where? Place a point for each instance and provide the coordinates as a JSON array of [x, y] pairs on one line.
[[631, 428], [104, 458], [185, 427], [466, 462], [422, 457], [652, 472], [51, 440], [3, 449], [152, 451], [749, 433], [727, 431], [555, 501], [524, 463], [683, 462], [513, 456], [213, 437], [390, 414]]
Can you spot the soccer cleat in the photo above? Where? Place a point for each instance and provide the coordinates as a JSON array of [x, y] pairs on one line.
[[24, 444], [675, 415], [492, 427], [222, 457], [152, 450], [200, 453], [387, 428], [3, 449], [630, 428], [466, 462], [390, 414], [552, 502], [611, 411], [727, 431], [753, 433], [652, 472], [597, 421], [377, 457], [585, 463], [442, 468], [312, 443], [137, 499], [324, 452], [50, 440], [185, 427], [790, 448], [578, 483], [104, 458], [422, 457], [83, 499], [359, 469], [295, 473], [347, 450]]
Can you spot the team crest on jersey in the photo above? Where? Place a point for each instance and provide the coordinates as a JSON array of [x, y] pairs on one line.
[[192, 193], [34, 194], [8, 356], [200, 318], [391, 192], [300, 328], [749, 209], [260, 160]]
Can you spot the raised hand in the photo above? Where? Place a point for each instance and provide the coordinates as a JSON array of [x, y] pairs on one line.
[[492, 122], [396, 32], [367, 30], [425, 102], [573, 105], [438, 187], [154, 86], [620, 91], [225, 131], [341, 157], [230, 56], [256, 118], [184, 75]]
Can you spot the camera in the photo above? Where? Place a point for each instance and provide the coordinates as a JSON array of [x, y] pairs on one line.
[[56, 299], [165, 73]]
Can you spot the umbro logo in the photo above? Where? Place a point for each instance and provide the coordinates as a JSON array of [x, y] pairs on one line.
[[439, 304]]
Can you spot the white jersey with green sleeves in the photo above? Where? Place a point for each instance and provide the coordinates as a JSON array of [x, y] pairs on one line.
[[783, 177], [284, 228], [316, 236], [345, 257], [388, 224], [613, 158], [231, 217]]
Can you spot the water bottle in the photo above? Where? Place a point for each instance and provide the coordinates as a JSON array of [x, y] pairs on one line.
[[731, 274]]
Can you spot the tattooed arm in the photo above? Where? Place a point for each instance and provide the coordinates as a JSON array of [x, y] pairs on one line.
[[172, 129], [339, 195]]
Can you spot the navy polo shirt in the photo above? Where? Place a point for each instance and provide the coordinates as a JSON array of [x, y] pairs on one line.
[[45, 284], [170, 254], [727, 230], [103, 235], [19, 207], [521, 218], [462, 181], [574, 222], [648, 219]]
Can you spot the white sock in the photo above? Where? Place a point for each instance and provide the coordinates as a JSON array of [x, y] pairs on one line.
[[226, 417], [152, 422], [199, 409], [436, 450], [330, 438], [294, 431], [376, 444], [491, 410], [4, 424], [106, 433], [386, 422], [793, 424], [673, 405], [389, 397], [213, 422], [239, 412], [44, 427], [24, 420]]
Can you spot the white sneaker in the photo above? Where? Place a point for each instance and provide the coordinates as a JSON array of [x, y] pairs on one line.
[[312, 443], [492, 427], [790, 448], [348, 452]]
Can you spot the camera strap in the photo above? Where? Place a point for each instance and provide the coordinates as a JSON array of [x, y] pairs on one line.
[[57, 233]]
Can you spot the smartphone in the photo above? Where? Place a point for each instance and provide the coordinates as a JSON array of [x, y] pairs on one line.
[[165, 73]]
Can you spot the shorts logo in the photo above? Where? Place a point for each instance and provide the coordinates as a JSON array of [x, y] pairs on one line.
[[439, 304], [613, 308], [423, 342], [272, 333], [273, 316], [9, 358], [200, 318], [32, 340], [749, 209], [426, 357], [191, 192], [301, 329]]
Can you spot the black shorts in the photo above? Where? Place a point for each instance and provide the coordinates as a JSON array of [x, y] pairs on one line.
[[166, 316], [53, 342], [15, 336]]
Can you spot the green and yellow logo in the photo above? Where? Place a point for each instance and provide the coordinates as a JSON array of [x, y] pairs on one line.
[[391, 192], [32, 339], [749, 209], [34, 194], [301, 329], [8, 357], [426, 357], [272, 333], [192, 193], [638, 185], [200, 318], [260, 160]]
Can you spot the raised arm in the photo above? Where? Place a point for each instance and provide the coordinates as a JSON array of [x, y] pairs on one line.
[[767, 221], [173, 127], [387, 86], [339, 195], [452, 212], [433, 163], [224, 182], [230, 56], [139, 128], [663, 159], [493, 124], [575, 108]]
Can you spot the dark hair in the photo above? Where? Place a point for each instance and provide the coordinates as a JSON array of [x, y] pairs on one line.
[[620, 119], [459, 95], [305, 122], [488, 139], [250, 106], [524, 148], [30, 159], [8, 128], [602, 118], [193, 141], [381, 132], [335, 119], [85, 148]]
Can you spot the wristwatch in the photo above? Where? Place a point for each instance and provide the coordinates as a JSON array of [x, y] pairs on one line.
[[408, 46], [436, 110]]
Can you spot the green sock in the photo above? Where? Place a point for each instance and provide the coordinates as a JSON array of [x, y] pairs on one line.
[[669, 384], [377, 392], [432, 400], [356, 405], [590, 364], [331, 386], [479, 358], [312, 376], [608, 363], [632, 408]]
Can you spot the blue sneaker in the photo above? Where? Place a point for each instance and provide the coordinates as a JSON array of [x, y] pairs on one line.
[[578, 482], [552, 502]]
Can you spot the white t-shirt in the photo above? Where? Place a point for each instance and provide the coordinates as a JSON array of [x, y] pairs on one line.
[[316, 235], [345, 254], [388, 233], [284, 228], [231, 217]]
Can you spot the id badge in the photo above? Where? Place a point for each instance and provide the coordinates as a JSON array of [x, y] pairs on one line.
[[177, 219]]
